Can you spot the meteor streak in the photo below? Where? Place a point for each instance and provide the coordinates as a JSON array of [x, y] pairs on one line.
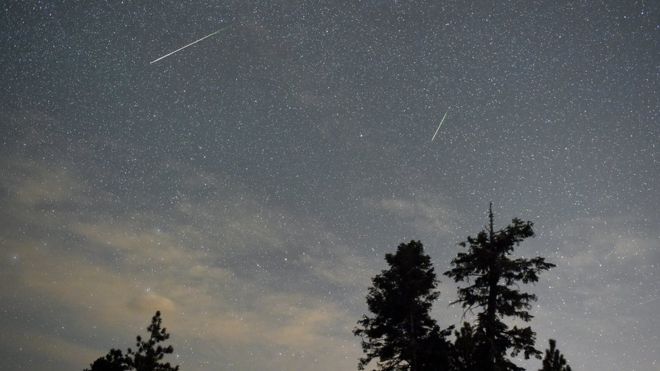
[[648, 301], [438, 129], [192, 43]]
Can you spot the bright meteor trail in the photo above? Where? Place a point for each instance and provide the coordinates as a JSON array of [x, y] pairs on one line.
[[438, 129], [192, 43]]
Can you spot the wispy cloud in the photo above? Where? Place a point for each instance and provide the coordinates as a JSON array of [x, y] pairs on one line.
[[112, 269], [425, 212]]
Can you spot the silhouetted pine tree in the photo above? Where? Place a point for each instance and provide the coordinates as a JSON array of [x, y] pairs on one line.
[[434, 350], [147, 357], [554, 360], [115, 360], [401, 335], [464, 348], [494, 290], [149, 353]]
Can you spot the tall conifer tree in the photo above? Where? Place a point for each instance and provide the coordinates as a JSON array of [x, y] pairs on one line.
[[401, 335], [494, 277]]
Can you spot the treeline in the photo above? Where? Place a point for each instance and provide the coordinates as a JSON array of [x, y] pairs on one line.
[[399, 334]]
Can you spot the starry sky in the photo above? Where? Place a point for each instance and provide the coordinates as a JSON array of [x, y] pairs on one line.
[[250, 185]]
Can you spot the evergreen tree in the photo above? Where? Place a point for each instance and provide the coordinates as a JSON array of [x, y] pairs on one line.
[[147, 357], [149, 353], [435, 350], [401, 335], [115, 360], [494, 278], [464, 349], [554, 360]]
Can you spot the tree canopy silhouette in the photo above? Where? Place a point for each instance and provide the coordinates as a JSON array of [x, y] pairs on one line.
[[494, 278], [115, 360], [147, 357], [463, 350], [554, 360], [401, 335]]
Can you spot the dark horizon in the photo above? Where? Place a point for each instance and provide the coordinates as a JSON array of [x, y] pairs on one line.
[[249, 185]]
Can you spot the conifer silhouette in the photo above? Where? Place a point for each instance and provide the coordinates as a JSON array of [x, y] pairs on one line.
[[494, 277], [554, 360], [463, 349], [147, 357], [401, 335]]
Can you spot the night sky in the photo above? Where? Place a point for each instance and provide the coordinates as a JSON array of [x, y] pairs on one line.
[[250, 185]]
